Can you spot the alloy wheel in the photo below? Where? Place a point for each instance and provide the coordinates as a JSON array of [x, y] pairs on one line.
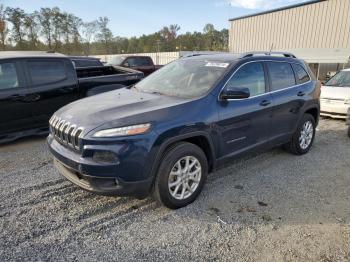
[[184, 177], [306, 135]]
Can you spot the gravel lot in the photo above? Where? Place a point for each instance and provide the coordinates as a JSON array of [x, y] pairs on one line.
[[268, 207]]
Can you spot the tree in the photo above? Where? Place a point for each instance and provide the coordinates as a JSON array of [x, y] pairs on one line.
[[3, 27], [45, 17], [54, 29], [31, 27], [209, 32], [70, 26], [105, 35], [75, 25], [88, 34], [57, 22], [16, 17], [208, 29]]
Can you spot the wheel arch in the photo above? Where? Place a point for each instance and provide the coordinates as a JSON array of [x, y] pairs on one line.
[[198, 138], [315, 112]]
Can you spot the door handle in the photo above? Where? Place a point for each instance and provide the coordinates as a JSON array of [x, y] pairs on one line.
[[17, 97], [32, 98], [265, 103], [301, 93]]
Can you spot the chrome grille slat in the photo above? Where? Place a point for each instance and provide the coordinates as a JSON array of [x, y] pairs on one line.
[[65, 132]]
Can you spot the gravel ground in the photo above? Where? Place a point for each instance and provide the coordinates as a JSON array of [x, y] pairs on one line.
[[268, 207]]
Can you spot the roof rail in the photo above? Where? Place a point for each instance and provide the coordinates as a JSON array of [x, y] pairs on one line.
[[190, 55], [199, 54], [268, 53]]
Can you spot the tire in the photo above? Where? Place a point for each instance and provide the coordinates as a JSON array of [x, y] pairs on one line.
[[174, 161], [349, 131], [294, 146]]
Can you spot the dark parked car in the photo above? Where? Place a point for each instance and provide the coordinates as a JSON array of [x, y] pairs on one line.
[[140, 63], [168, 131], [33, 85]]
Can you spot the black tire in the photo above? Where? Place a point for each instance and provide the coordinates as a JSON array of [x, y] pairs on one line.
[[293, 146], [161, 192], [349, 131]]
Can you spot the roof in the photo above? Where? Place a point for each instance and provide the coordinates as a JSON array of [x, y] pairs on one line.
[[26, 54], [278, 9]]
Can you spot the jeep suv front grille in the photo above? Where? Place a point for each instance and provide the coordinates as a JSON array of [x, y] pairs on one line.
[[65, 132]]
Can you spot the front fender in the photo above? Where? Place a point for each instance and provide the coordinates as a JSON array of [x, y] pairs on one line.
[[165, 141]]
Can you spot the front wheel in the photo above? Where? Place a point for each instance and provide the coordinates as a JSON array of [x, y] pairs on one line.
[[303, 137], [181, 175]]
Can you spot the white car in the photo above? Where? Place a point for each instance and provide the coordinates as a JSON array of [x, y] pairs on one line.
[[335, 95]]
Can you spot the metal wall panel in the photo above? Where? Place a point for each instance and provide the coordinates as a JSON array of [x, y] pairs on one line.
[[318, 25]]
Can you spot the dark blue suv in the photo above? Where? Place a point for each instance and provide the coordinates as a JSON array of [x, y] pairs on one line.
[[167, 132]]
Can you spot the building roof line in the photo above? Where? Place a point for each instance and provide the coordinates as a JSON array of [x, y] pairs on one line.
[[278, 9]]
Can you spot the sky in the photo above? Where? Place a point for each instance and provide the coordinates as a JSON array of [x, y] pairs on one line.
[[136, 17]]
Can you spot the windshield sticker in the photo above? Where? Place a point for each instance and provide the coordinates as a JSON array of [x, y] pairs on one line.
[[224, 65]]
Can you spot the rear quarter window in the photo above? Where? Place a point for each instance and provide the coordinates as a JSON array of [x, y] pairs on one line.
[[46, 72], [281, 75], [301, 74]]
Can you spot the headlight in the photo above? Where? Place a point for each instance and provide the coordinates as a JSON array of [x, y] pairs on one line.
[[347, 101], [123, 131]]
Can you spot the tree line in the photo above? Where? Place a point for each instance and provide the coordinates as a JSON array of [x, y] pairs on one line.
[[55, 30]]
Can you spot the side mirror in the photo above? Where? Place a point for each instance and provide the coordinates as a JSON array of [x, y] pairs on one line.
[[126, 64], [235, 93]]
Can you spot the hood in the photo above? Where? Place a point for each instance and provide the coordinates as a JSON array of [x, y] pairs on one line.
[[122, 107], [335, 92]]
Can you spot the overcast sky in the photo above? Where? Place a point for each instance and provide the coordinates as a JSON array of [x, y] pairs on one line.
[[136, 17]]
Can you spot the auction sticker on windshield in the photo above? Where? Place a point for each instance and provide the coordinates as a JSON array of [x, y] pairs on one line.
[[213, 64]]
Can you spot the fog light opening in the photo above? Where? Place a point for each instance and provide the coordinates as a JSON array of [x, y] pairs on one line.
[[105, 157]]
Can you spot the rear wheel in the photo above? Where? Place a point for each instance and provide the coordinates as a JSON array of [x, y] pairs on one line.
[[181, 175], [303, 137]]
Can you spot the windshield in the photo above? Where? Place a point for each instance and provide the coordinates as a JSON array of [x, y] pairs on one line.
[[184, 78], [342, 79], [117, 60]]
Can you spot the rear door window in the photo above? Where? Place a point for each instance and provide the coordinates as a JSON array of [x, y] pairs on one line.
[[301, 74], [8, 76], [281, 75], [46, 72]]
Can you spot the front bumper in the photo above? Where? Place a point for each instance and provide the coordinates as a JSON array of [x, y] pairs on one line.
[[104, 186], [335, 110], [127, 176]]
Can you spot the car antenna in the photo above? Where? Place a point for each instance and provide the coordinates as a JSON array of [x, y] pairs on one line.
[[271, 49]]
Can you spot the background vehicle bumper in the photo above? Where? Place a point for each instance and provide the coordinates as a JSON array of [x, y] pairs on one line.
[[334, 110]]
